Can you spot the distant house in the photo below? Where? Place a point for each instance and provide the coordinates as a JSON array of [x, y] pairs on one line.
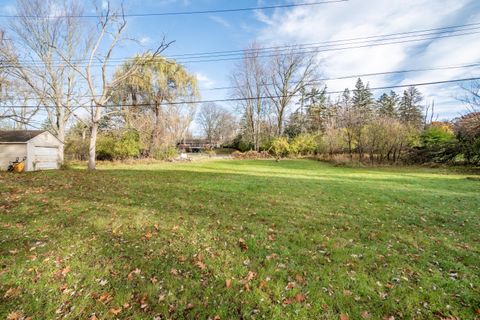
[[40, 149]]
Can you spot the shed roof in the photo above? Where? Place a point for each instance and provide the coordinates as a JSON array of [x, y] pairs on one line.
[[19, 135]]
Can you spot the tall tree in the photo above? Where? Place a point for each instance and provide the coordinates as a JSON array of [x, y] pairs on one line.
[[217, 123], [164, 91], [410, 109], [387, 105], [288, 72], [33, 56], [106, 38], [362, 99], [248, 79]]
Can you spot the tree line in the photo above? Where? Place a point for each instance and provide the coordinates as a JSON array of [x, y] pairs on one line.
[[58, 69]]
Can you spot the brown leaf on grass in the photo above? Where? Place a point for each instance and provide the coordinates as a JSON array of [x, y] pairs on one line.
[[65, 270], [201, 265], [290, 285], [182, 259], [299, 278], [132, 273], [262, 284], [189, 306], [12, 293], [300, 297], [272, 256], [347, 293], [143, 301], [250, 276], [16, 315], [147, 236], [228, 283], [365, 315], [156, 226], [389, 318], [105, 298], [175, 227], [93, 317], [344, 316], [271, 237], [153, 280], [115, 311], [242, 244], [126, 305], [174, 271]]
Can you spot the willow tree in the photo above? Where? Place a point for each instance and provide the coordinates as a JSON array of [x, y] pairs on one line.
[[160, 99]]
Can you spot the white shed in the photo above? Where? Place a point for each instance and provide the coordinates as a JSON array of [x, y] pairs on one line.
[[40, 148]]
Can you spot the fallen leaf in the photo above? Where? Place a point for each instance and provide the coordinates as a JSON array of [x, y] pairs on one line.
[[243, 245], [174, 271], [105, 298], [201, 265], [93, 317], [300, 297], [189, 306], [299, 278], [132, 273], [365, 315], [250, 276], [115, 311], [12, 292], [65, 271], [156, 226], [15, 315], [262, 284], [344, 316], [228, 283], [347, 293]]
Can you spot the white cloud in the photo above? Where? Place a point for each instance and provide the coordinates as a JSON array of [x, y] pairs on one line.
[[145, 40], [373, 17], [205, 81], [220, 21]]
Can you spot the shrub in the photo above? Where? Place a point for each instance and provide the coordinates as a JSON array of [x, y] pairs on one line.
[[304, 144], [166, 153], [437, 135], [251, 155], [118, 147], [280, 147]]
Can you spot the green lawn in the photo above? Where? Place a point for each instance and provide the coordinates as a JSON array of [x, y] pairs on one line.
[[240, 239]]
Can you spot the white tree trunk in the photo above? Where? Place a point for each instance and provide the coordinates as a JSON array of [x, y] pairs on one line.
[[93, 143]]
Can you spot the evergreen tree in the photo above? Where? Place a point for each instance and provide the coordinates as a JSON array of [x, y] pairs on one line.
[[362, 99], [317, 109], [387, 105], [410, 110]]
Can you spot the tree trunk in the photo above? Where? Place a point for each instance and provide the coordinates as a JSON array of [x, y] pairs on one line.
[[155, 131], [93, 143]]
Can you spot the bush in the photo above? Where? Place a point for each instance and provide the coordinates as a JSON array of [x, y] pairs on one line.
[[437, 135], [304, 144], [251, 155], [166, 153], [280, 147], [118, 147]]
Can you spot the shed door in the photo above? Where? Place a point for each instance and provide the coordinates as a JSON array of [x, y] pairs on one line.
[[45, 158]]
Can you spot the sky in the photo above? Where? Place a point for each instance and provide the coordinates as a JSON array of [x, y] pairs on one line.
[[312, 24]]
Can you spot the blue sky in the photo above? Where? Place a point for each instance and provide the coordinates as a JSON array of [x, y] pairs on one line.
[[355, 18]]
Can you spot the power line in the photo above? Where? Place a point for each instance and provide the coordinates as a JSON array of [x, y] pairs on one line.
[[419, 84], [449, 31], [321, 80], [263, 55], [182, 13], [361, 75]]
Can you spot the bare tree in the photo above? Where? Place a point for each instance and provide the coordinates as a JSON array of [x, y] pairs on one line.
[[109, 34], [249, 80], [31, 60], [217, 123], [288, 72]]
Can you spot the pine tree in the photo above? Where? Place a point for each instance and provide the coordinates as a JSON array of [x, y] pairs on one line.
[[387, 105], [362, 99], [410, 110], [317, 109]]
